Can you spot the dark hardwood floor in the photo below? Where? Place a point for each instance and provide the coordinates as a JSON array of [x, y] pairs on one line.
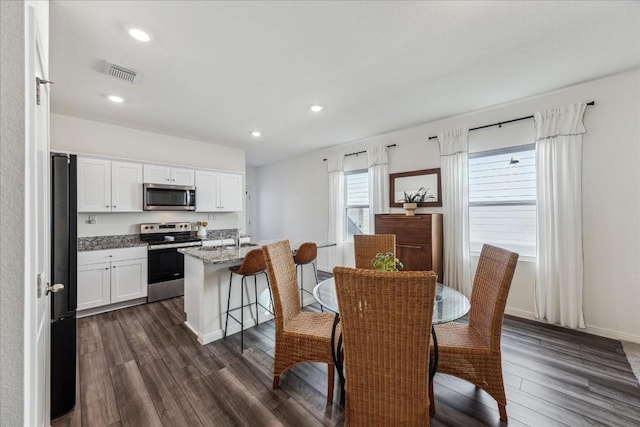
[[141, 367]]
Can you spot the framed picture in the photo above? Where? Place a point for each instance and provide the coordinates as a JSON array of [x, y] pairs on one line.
[[411, 182]]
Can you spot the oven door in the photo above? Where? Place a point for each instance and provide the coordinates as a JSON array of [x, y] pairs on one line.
[[165, 264], [165, 274]]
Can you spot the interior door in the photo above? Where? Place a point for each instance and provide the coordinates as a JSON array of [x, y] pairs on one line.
[[37, 233]]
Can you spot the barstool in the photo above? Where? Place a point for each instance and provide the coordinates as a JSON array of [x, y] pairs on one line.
[[252, 265], [306, 254]]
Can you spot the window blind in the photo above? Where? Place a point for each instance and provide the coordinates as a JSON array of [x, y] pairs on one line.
[[502, 199]]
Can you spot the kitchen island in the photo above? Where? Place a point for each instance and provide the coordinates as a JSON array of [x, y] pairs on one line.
[[206, 289]]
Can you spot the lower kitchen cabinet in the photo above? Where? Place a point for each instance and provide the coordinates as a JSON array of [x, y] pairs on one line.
[[111, 276]]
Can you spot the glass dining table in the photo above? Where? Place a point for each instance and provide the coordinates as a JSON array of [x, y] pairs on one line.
[[449, 305]]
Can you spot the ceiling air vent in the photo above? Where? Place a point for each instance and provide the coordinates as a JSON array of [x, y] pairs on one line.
[[123, 73]]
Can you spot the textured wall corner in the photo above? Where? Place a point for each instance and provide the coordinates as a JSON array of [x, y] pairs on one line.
[[12, 221]]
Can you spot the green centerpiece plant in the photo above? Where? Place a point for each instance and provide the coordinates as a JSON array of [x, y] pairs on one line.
[[386, 262]]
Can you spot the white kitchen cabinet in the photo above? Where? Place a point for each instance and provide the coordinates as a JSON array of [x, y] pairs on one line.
[[126, 187], [94, 285], [111, 275], [230, 192], [159, 174], [128, 279], [218, 191], [109, 186], [94, 185]]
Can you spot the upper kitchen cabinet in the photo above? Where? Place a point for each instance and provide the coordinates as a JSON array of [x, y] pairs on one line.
[[109, 186], [158, 174], [218, 191]]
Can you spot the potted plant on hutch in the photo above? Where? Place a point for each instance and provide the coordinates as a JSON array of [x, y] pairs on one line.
[[410, 200]]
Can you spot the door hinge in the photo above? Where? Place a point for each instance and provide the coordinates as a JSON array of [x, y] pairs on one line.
[[39, 82], [39, 285]]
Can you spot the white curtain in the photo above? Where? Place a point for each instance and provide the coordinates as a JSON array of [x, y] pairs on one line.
[[378, 163], [335, 226], [454, 170], [559, 198]]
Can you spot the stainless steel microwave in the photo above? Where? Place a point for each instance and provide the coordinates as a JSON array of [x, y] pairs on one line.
[[160, 197]]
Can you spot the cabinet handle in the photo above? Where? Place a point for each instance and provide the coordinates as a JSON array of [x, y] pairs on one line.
[[113, 206], [409, 246], [113, 266], [106, 268], [106, 206]]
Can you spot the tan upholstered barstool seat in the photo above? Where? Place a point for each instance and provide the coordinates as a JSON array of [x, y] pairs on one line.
[[252, 265]]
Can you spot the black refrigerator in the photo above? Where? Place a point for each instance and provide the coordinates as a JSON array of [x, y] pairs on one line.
[[63, 270]]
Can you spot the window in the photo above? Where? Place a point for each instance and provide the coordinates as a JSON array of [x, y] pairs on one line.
[[356, 204], [502, 199]]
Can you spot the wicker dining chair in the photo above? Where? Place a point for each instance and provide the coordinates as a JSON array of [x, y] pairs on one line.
[[366, 246], [300, 336], [386, 329], [471, 351]]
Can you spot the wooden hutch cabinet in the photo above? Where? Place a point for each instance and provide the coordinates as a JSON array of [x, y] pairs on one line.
[[418, 239]]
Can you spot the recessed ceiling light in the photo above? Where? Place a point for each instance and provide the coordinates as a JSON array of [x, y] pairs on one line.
[[139, 35], [316, 108], [256, 134], [116, 99]]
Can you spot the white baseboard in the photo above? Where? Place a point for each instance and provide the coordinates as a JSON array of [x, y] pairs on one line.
[[590, 329], [110, 307], [520, 313], [608, 333]]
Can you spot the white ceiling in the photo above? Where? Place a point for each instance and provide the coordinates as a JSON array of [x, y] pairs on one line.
[[215, 71]]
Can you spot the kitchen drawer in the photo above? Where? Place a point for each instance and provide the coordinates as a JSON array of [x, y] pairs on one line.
[[110, 255]]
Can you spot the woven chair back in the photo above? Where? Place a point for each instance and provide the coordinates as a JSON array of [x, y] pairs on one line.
[[386, 327], [284, 283], [252, 263], [366, 246], [490, 291], [306, 253]]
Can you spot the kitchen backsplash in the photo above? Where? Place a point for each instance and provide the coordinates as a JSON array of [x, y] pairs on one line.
[[124, 223]]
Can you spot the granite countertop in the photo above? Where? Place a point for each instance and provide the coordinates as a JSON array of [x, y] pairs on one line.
[[232, 254], [96, 243], [219, 254]]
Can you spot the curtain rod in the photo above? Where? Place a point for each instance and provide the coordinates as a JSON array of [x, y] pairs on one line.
[[504, 123], [361, 152]]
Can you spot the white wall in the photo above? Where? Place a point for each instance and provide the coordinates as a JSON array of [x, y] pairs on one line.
[[293, 193], [75, 135]]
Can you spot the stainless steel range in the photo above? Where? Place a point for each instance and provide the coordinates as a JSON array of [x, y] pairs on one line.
[[166, 264]]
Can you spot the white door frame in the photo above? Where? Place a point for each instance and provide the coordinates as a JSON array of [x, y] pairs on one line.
[[37, 231]]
